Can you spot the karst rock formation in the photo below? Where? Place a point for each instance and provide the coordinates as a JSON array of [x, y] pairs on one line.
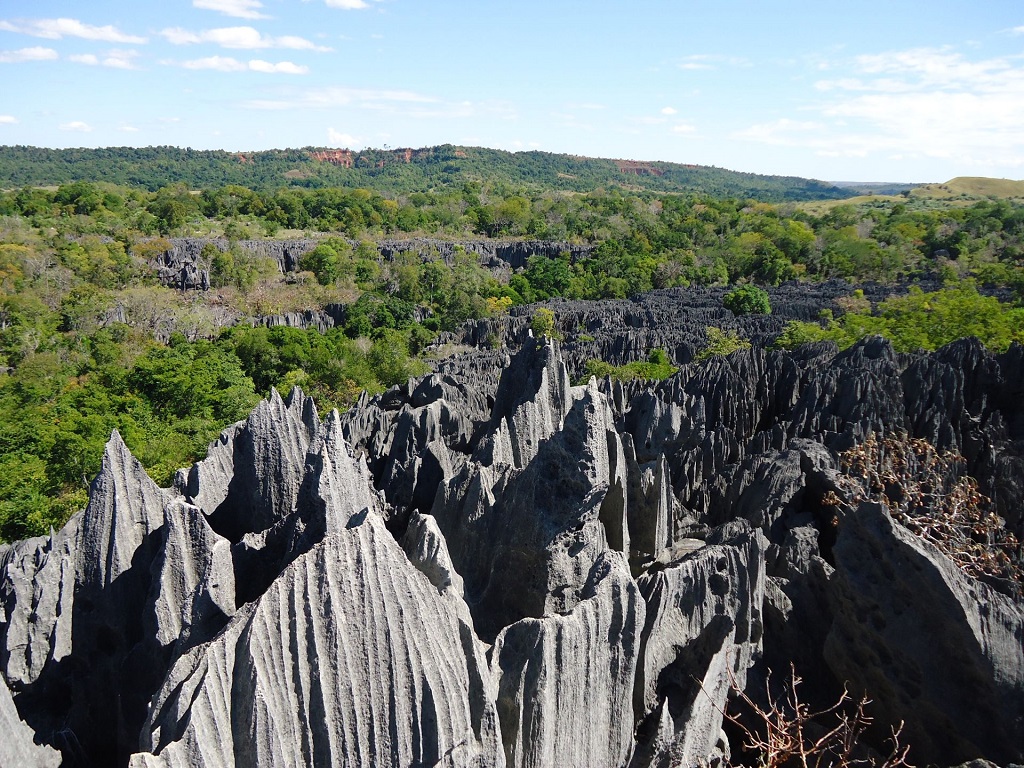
[[491, 566]]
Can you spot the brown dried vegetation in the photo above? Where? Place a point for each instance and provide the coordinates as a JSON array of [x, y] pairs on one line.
[[927, 492]]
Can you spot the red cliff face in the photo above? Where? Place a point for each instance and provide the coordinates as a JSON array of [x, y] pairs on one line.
[[638, 169], [340, 157]]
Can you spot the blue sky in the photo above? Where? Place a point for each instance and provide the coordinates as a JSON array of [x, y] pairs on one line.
[[901, 91]]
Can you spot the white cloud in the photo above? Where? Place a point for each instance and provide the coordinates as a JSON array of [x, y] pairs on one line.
[[238, 37], [228, 64], [698, 61], [281, 67], [684, 128], [329, 98], [28, 54], [918, 103], [218, 63], [128, 129], [8, 119], [782, 132], [1018, 30], [120, 59], [347, 5], [669, 111], [113, 59], [240, 9], [57, 29], [338, 139], [76, 125]]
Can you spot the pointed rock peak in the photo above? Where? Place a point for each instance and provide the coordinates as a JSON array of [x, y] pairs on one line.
[[117, 458], [125, 505], [339, 484], [536, 367], [115, 452], [303, 407]]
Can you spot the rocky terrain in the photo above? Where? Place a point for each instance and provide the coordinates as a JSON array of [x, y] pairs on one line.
[[183, 267], [491, 566]]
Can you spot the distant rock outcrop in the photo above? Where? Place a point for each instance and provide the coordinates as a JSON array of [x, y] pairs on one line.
[[490, 566]]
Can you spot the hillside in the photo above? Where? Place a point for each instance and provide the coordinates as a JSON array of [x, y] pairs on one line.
[[393, 171], [972, 188]]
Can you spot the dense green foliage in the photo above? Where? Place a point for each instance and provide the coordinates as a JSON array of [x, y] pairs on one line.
[[657, 366], [721, 342], [401, 171], [920, 321], [747, 300]]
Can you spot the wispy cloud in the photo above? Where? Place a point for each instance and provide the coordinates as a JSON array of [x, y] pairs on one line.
[[240, 9], [329, 98], [228, 64], [28, 54], [57, 29], [8, 119], [246, 38], [347, 5], [113, 59], [280, 67], [698, 61], [669, 110], [76, 126], [128, 129], [339, 139], [923, 102]]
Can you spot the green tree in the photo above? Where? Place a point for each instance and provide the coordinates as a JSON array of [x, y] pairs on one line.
[[747, 300]]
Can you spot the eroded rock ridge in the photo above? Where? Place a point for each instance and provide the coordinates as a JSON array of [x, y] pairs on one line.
[[490, 566]]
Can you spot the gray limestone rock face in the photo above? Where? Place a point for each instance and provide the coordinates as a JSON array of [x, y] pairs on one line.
[[37, 594], [193, 579], [251, 476], [17, 747], [319, 593], [125, 506], [565, 681], [703, 632], [533, 397], [931, 646], [524, 540], [352, 657]]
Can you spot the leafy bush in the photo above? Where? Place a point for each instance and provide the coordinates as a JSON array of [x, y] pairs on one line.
[[920, 321], [721, 342], [657, 366], [543, 324], [747, 300]]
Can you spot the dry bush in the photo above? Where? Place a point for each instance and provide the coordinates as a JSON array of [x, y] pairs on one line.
[[788, 733], [927, 492]]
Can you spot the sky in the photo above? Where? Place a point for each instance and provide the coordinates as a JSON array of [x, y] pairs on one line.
[[899, 91]]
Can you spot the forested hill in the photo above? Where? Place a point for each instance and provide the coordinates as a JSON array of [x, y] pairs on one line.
[[392, 171]]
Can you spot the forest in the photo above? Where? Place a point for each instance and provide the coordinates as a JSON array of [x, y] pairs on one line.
[[389, 171], [91, 341]]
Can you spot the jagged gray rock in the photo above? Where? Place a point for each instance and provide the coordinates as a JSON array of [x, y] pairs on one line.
[[565, 682], [935, 649], [379, 671], [251, 476], [703, 632], [319, 592], [17, 747]]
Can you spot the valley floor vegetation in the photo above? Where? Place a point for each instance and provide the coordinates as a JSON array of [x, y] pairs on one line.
[[90, 341]]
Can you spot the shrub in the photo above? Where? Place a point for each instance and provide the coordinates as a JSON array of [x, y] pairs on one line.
[[747, 300], [721, 342], [543, 324]]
